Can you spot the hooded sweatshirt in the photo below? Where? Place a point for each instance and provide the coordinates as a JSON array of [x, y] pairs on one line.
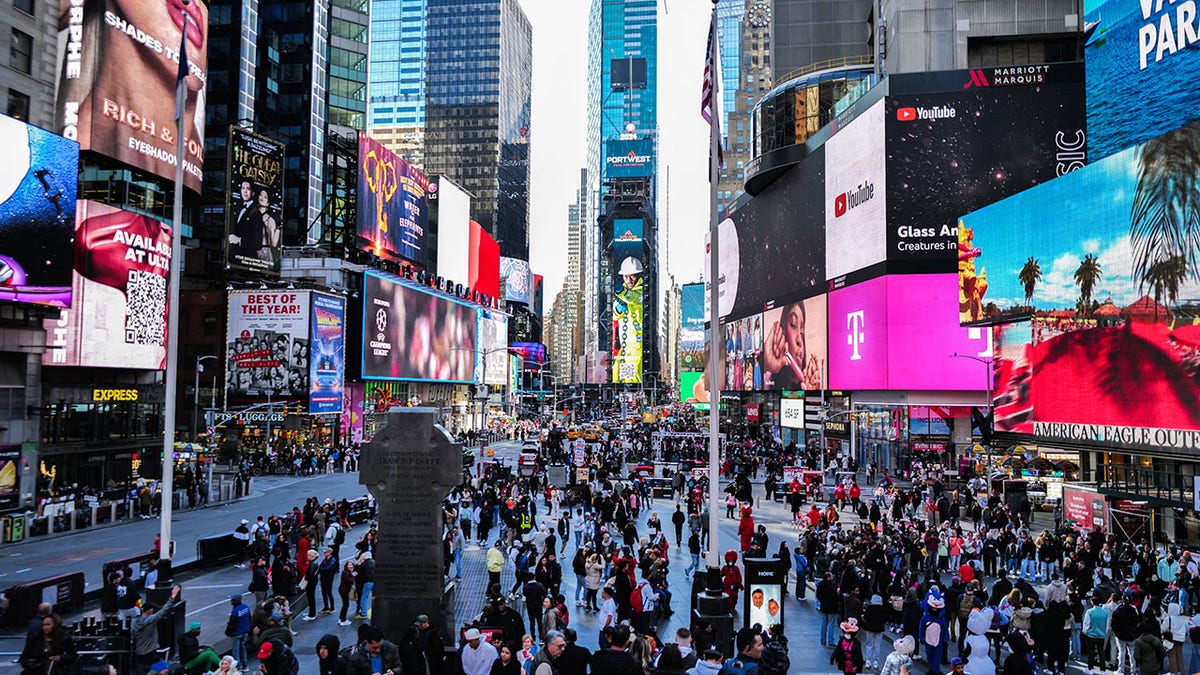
[[332, 664], [704, 668], [1057, 590], [1175, 624]]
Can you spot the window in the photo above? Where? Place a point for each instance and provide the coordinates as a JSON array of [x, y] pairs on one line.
[[18, 105], [24, 5], [21, 55]]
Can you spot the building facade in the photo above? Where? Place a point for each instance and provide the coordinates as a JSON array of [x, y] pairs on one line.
[[818, 34], [752, 79]]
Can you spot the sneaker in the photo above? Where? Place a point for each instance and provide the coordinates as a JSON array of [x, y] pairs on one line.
[[344, 623], [360, 616], [310, 618]]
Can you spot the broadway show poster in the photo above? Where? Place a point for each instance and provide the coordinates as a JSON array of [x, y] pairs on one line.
[[1113, 341], [393, 203], [118, 318], [37, 214], [118, 68], [253, 212], [267, 346], [328, 359], [10, 476]]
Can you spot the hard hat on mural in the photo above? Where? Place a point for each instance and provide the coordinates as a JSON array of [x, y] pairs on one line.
[[630, 265]]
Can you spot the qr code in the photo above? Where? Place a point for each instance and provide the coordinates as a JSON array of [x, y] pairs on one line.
[[145, 308]]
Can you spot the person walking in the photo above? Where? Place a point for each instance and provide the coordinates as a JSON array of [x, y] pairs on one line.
[[678, 519], [309, 584], [49, 649]]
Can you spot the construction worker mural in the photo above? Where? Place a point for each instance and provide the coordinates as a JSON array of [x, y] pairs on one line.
[[628, 311]]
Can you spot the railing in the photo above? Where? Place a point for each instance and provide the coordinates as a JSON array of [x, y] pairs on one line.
[[828, 64], [1169, 486]]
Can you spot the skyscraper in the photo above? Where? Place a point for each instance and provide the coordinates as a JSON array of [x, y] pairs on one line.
[[751, 80], [730, 15], [396, 91], [477, 106], [819, 34]]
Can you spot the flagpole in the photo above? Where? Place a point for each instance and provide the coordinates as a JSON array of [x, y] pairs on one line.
[[714, 340], [172, 372]]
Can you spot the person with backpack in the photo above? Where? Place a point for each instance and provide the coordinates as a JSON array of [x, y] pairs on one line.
[[774, 659], [1125, 622], [276, 658], [750, 648], [847, 653]]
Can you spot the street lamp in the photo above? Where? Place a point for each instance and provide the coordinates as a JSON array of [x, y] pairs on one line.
[[196, 394], [987, 362]]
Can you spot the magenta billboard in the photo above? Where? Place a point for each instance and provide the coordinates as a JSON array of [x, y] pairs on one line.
[[902, 332]]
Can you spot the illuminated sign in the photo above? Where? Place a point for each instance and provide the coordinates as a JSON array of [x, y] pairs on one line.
[[106, 395]]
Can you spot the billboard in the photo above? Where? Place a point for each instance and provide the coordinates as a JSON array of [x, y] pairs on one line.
[[490, 364], [791, 413], [629, 266], [855, 195], [484, 271], [516, 280], [776, 246], [353, 411], [118, 67], [691, 327], [794, 345], [267, 345], [1111, 353], [254, 202], [37, 214], [531, 355], [952, 153], [1133, 47], [539, 290], [693, 389], [743, 347], [118, 317], [10, 476], [629, 159], [327, 374], [879, 339], [452, 206], [393, 203], [412, 334]]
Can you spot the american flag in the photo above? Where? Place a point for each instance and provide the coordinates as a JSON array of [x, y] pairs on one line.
[[708, 90]]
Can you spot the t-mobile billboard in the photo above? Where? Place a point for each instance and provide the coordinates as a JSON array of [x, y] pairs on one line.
[[902, 332]]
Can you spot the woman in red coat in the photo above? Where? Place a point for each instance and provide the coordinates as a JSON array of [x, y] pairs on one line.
[[731, 579], [746, 527]]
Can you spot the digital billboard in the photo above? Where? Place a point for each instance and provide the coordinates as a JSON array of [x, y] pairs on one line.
[[484, 271], [629, 159], [412, 334], [393, 203], [10, 476], [516, 280], [539, 290], [629, 264], [1135, 48], [118, 317], [37, 214], [691, 327], [794, 345], [1112, 350], [267, 345], [951, 153], [327, 362], [901, 332], [452, 208], [692, 389], [118, 67], [743, 347], [254, 202], [491, 363], [532, 355], [855, 195], [777, 241]]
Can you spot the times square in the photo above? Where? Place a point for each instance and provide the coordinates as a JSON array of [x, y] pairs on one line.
[[949, 423]]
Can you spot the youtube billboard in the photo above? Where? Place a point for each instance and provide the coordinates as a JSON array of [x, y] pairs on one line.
[[960, 140], [855, 194]]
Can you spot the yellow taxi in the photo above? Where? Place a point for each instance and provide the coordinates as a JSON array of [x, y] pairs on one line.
[[592, 434], [574, 433]]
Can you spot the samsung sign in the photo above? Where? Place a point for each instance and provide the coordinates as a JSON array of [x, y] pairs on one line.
[[629, 159]]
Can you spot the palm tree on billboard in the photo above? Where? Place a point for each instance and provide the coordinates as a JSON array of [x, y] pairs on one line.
[[1030, 274], [1165, 219], [1086, 276]]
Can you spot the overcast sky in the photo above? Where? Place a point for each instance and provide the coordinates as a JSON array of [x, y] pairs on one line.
[[558, 133]]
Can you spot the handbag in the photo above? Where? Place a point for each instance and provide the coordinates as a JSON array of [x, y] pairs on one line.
[[303, 584]]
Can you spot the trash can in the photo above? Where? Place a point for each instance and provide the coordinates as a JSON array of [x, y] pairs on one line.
[[18, 528]]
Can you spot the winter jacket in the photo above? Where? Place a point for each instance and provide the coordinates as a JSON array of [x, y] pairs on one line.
[[1125, 622], [1057, 590], [359, 662], [1148, 651], [827, 597]]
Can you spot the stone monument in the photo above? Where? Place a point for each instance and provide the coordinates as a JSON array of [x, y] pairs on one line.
[[409, 468]]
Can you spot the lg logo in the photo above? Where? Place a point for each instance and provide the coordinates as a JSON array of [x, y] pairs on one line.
[[856, 323]]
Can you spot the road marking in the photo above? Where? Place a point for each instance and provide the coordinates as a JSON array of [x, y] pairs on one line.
[[215, 604], [192, 587]]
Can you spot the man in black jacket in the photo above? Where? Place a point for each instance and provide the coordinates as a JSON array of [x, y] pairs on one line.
[[377, 656], [1125, 621], [575, 658], [615, 660], [431, 645], [830, 604]]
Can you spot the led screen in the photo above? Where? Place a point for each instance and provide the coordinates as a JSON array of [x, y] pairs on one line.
[[253, 210], [1133, 48], [777, 241], [328, 359], [452, 206], [493, 353], [118, 317], [855, 193], [691, 328], [37, 214], [10, 476], [411, 334], [901, 332], [692, 389], [267, 345], [1113, 342], [952, 153], [516, 280], [118, 68], [743, 347], [629, 159], [794, 345], [393, 203], [629, 263], [484, 273]]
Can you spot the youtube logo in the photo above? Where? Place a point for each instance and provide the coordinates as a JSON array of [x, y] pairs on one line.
[[906, 114], [839, 205]]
